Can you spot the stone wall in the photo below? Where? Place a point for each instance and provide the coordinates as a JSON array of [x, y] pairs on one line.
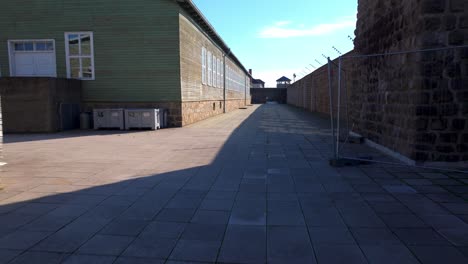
[[34, 104], [312, 92], [193, 112], [415, 104], [261, 95]]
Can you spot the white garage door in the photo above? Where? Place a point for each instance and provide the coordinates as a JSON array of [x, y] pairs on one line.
[[33, 58]]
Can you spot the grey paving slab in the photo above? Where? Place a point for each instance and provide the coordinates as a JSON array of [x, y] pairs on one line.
[[330, 235], [124, 227], [375, 236], [159, 248], [403, 221], [204, 232], [48, 223], [438, 254], [40, 258], [8, 254], [105, 245], [22, 239], [444, 221], [421, 236], [389, 207], [196, 250], [217, 204], [71, 236], [457, 208], [163, 230], [36, 209], [248, 213], [133, 260], [399, 189], [337, 254], [211, 217], [175, 215], [362, 219], [289, 245], [388, 254], [251, 196], [235, 249], [458, 236], [285, 218], [221, 195], [89, 259]]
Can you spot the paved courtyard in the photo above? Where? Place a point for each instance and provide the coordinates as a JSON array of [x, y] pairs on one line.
[[251, 186]]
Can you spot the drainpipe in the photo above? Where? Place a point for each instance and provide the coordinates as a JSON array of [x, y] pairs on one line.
[[224, 79]]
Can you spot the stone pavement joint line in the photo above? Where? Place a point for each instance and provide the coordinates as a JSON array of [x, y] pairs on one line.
[[250, 186]]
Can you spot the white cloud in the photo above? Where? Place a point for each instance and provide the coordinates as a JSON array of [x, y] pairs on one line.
[[282, 23], [279, 29]]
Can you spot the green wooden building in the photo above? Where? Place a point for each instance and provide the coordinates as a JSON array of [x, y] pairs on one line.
[[141, 53]]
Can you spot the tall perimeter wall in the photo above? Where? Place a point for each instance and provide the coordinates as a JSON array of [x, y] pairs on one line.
[[415, 104]]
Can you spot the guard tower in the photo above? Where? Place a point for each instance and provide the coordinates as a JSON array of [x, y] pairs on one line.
[[283, 82]]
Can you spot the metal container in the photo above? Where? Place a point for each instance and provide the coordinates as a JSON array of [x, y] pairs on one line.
[[142, 119], [108, 118]]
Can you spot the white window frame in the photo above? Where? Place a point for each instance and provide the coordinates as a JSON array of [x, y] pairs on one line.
[[203, 65], [213, 61], [91, 56], [218, 62], [215, 71], [222, 74], [210, 68], [11, 51]]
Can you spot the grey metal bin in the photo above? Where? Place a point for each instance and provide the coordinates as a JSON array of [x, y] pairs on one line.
[[142, 118], [108, 118]]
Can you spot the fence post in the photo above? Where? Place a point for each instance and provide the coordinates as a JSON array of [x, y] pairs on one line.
[[330, 90], [338, 109]]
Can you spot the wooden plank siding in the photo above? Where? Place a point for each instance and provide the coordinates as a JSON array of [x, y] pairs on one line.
[[191, 42], [135, 43]]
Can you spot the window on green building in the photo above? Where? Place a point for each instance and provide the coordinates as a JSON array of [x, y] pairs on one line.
[[80, 55]]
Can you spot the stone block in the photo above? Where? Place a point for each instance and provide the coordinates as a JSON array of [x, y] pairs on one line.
[[433, 39], [457, 5], [422, 147], [465, 138], [450, 22], [442, 96], [463, 148], [445, 149], [456, 38], [453, 70], [462, 96], [448, 137], [426, 138], [432, 23], [464, 21], [439, 124], [448, 109], [458, 124], [426, 110], [433, 6], [420, 156], [421, 124]]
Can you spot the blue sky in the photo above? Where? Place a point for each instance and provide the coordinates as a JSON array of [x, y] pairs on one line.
[[282, 37]]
